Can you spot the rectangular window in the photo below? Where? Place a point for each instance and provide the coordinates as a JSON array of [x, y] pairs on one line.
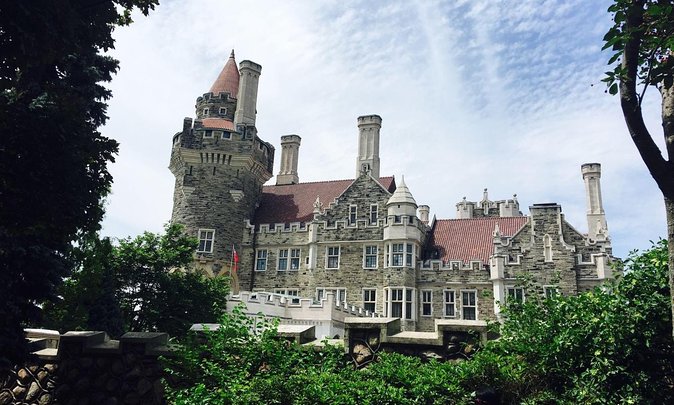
[[450, 304], [469, 304], [476, 266], [261, 260], [205, 112], [409, 255], [208, 134], [426, 303], [398, 251], [374, 211], [370, 299], [370, 261], [550, 291], [387, 255], [353, 213], [515, 293], [282, 260], [294, 259], [397, 219], [206, 238], [223, 110], [226, 135], [332, 258], [399, 302], [339, 293], [455, 265]]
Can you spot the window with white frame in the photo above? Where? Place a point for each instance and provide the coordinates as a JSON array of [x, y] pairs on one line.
[[370, 299], [223, 110], [410, 255], [208, 133], [353, 214], [370, 257], [226, 135], [295, 259], [514, 294], [469, 304], [550, 291], [339, 293], [398, 252], [206, 238], [332, 257], [261, 260], [205, 112], [282, 264], [374, 213], [426, 303], [475, 265], [399, 302], [455, 265], [449, 303]]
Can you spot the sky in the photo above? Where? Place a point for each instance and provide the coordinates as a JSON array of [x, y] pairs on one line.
[[503, 95]]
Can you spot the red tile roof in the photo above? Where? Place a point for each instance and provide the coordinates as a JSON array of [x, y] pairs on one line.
[[218, 123], [471, 239], [295, 202], [228, 79]]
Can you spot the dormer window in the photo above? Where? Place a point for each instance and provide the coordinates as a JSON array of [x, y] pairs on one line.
[[205, 112]]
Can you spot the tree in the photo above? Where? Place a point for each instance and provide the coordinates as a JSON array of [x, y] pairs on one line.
[[53, 160], [642, 39], [141, 284]]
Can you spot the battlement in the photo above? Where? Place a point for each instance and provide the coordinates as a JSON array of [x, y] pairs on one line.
[[590, 169], [369, 119], [220, 97]]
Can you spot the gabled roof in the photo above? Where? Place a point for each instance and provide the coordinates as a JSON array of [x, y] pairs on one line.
[[218, 123], [228, 79], [471, 239], [295, 202]]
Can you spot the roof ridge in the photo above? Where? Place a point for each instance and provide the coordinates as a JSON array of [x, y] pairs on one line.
[[320, 181], [480, 218]]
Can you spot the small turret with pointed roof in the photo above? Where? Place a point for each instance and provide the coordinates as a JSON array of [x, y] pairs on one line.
[[402, 202], [228, 79]]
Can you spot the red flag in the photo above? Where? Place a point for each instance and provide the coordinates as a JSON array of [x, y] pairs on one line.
[[235, 258]]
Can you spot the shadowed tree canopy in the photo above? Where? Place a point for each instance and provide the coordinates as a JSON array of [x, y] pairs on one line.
[[53, 160], [642, 41]]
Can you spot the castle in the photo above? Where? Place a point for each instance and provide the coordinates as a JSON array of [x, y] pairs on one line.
[[364, 241]]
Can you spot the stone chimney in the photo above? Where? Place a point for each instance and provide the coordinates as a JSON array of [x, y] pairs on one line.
[[596, 219], [247, 96], [424, 210], [290, 150], [368, 145]]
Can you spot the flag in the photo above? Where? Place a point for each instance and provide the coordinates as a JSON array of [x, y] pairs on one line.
[[235, 259]]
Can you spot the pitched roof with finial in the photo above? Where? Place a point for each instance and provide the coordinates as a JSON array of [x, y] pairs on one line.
[[402, 195], [228, 79]]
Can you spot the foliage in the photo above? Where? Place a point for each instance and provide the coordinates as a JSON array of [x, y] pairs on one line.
[[642, 41], [53, 160], [609, 345], [138, 285]]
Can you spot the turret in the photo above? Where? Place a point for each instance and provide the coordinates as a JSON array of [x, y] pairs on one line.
[[596, 219], [368, 145], [424, 211], [290, 150]]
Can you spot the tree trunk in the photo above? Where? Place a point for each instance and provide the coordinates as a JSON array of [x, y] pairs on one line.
[[669, 208]]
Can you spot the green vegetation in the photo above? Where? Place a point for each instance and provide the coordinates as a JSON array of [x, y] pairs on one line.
[[642, 45], [53, 159], [137, 285], [610, 345]]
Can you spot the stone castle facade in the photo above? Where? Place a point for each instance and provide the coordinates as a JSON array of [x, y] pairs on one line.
[[365, 240]]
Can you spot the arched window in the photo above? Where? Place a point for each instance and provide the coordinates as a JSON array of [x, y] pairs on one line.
[[547, 248]]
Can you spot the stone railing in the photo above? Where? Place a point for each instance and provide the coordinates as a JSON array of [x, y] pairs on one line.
[[88, 367]]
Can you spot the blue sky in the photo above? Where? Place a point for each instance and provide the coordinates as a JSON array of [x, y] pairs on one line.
[[504, 95]]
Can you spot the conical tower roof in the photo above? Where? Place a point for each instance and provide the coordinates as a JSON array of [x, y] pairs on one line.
[[402, 195], [228, 79]]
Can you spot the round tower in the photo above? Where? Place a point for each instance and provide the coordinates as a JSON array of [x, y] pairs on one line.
[[402, 247], [219, 171]]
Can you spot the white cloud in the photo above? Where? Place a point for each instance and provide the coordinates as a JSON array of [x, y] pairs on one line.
[[473, 94]]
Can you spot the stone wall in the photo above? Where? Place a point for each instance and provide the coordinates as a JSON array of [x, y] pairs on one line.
[[88, 367]]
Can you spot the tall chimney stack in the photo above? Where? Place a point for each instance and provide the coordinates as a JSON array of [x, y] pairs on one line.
[[247, 98], [368, 145], [596, 219], [290, 150]]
